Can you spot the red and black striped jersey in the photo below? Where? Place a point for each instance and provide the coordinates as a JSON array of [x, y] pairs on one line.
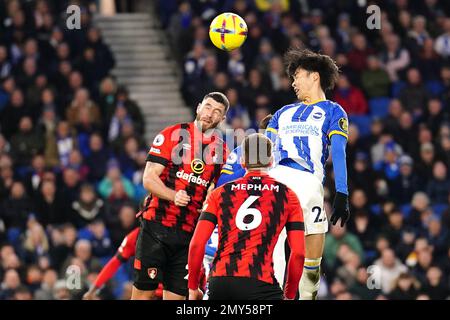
[[250, 213], [192, 162]]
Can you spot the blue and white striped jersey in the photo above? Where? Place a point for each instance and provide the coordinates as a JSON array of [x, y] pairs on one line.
[[301, 134]]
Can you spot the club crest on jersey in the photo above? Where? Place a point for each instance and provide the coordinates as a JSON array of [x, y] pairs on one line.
[[318, 115], [198, 166], [343, 124], [232, 158], [159, 140], [152, 272]]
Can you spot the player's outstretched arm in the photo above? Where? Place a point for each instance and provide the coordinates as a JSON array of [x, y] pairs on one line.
[[296, 240], [153, 183], [108, 271], [202, 233], [340, 206]]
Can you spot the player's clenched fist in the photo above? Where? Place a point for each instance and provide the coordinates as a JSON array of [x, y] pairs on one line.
[[181, 198]]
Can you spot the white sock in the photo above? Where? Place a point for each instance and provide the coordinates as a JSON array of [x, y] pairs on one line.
[[309, 283]]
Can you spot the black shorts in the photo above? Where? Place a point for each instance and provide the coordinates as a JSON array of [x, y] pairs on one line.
[[161, 257], [241, 288]]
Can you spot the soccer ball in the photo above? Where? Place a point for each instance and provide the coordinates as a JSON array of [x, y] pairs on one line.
[[228, 31]]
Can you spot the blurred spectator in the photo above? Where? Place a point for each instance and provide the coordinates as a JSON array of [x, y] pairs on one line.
[[284, 95], [252, 89], [350, 97], [437, 235], [16, 208], [60, 291], [11, 282], [34, 175], [442, 45], [103, 58], [419, 204], [360, 286], [45, 292], [107, 99], [335, 239], [113, 175], [131, 108], [406, 183], [36, 243], [435, 286], [350, 264], [429, 62], [97, 158], [358, 54], [51, 207], [374, 80], [7, 88], [435, 115], [63, 240], [98, 236], [405, 288], [424, 167], [87, 207], [22, 293], [122, 223], [393, 231], [237, 110], [439, 185], [414, 96], [71, 184], [25, 143], [424, 263], [65, 142], [12, 114], [76, 162], [395, 58], [80, 103], [390, 268], [389, 166]]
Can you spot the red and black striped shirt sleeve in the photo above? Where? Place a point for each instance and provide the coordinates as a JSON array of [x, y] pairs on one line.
[[161, 149]]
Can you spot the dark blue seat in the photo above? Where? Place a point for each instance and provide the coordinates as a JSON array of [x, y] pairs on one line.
[[379, 107], [435, 87], [362, 122], [396, 88], [439, 208], [406, 210]]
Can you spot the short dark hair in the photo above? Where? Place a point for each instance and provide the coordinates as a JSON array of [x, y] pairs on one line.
[[312, 62], [256, 151], [220, 98], [265, 121]]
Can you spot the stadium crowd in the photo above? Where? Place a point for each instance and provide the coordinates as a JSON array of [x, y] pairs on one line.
[[72, 152], [394, 86]]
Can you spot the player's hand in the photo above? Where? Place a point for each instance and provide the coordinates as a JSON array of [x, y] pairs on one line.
[[181, 198], [340, 209], [195, 294], [90, 295]]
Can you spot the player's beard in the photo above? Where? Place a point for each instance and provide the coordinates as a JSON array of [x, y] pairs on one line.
[[205, 124]]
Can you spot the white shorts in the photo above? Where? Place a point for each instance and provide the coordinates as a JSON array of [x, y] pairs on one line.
[[309, 190]]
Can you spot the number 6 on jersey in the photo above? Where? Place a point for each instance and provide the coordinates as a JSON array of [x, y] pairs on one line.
[[248, 218]]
